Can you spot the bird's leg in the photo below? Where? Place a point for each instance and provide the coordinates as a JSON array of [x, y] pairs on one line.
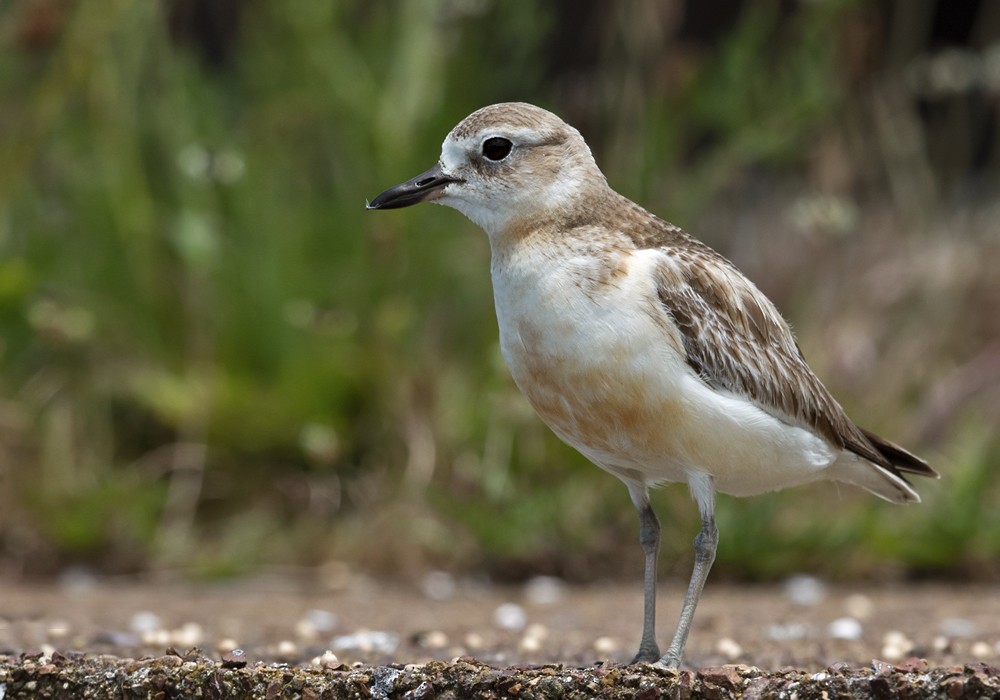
[[705, 544], [649, 538]]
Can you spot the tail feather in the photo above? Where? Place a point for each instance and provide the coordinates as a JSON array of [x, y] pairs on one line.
[[900, 458], [852, 469], [884, 475]]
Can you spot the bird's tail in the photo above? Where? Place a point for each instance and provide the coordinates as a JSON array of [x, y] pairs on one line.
[[885, 480], [898, 457]]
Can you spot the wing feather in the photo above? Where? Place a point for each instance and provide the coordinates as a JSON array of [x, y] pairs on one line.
[[736, 340]]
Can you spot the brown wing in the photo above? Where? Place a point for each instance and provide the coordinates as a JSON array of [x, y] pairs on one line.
[[736, 340]]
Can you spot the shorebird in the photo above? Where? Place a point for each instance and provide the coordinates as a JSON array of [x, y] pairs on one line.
[[640, 346]]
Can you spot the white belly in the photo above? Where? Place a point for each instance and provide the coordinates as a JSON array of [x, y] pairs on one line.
[[604, 368]]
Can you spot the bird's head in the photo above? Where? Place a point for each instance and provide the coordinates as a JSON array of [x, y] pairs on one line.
[[504, 164]]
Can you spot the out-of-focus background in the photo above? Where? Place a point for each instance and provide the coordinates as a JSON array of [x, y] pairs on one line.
[[215, 362]]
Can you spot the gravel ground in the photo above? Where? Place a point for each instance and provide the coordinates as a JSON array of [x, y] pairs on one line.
[[798, 632]]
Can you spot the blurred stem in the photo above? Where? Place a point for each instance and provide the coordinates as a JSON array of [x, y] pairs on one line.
[[900, 137], [413, 82], [112, 90], [187, 471], [46, 105], [421, 446]]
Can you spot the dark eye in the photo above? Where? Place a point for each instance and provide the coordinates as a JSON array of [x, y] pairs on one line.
[[496, 148]]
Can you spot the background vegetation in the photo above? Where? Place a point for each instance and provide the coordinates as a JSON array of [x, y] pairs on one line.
[[214, 361]]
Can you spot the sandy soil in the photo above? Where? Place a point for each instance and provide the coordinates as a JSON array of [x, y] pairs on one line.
[[802, 623]]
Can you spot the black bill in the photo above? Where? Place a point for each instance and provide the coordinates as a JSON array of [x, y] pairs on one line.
[[423, 187]]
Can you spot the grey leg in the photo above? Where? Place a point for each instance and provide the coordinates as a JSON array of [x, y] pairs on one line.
[[649, 538], [705, 544]]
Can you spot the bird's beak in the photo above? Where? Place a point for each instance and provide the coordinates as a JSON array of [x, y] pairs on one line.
[[425, 186]]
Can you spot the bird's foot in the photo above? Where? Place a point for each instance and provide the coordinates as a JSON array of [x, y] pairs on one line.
[[671, 660], [648, 653]]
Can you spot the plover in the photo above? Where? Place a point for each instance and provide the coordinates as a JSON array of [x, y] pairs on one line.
[[639, 345]]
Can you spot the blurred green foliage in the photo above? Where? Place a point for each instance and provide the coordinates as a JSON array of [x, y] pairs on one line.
[[214, 359]]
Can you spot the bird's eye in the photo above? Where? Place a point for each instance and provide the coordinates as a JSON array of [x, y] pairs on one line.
[[496, 148]]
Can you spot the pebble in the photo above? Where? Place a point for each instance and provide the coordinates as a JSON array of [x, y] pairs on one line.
[[729, 648], [234, 658], [981, 650], [474, 641], [533, 637], [323, 620], [286, 650], [367, 641], [144, 621], [544, 590], [326, 660], [188, 635], [434, 639], [510, 616], [606, 645], [941, 643], [957, 627], [306, 631], [787, 632], [805, 590], [78, 580], [896, 645], [530, 644], [859, 606], [58, 630], [315, 623], [439, 585], [156, 638], [845, 628], [914, 664], [226, 644]]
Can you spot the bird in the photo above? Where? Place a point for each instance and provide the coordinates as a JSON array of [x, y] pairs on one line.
[[639, 345]]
